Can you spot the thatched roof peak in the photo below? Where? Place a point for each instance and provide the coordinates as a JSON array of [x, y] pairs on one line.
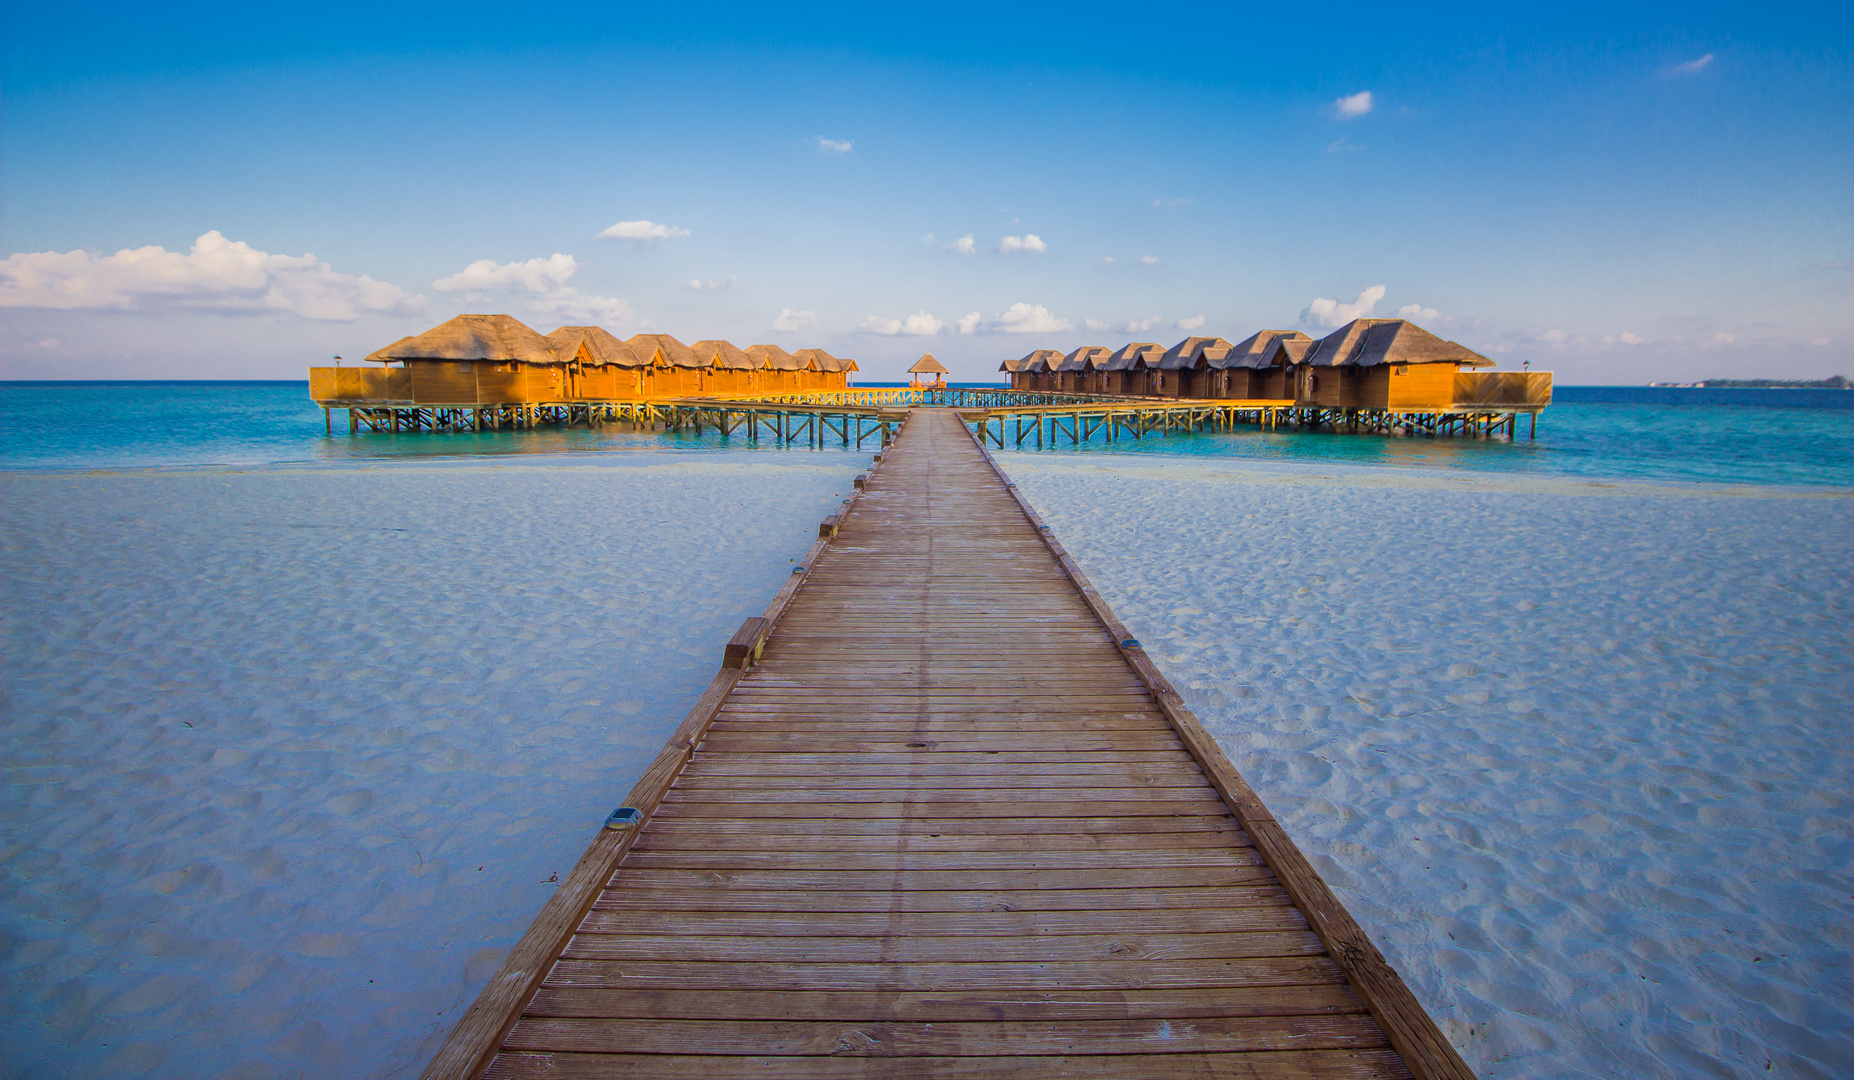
[[592, 345], [1251, 351], [383, 354], [662, 350], [1086, 358], [499, 338], [715, 353], [1369, 342], [773, 358], [819, 360], [1134, 356], [927, 365], [1194, 352]]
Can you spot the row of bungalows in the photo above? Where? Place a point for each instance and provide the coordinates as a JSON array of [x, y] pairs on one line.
[[477, 360], [1388, 364]]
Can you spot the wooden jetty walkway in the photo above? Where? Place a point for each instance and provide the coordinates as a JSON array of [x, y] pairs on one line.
[[953, 823]]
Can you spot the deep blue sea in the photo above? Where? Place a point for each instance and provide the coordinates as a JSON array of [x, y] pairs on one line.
[[1789, 437]]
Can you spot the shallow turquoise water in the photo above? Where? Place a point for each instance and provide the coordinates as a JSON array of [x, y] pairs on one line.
[[1629, 433]]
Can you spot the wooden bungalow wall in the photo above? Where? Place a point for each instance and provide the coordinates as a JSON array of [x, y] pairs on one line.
[[490, 383]]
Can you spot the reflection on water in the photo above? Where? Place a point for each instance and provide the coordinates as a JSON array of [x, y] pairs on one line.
[[1752, 437]]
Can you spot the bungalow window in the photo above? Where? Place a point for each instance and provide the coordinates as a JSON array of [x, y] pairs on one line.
[[1401, 369]]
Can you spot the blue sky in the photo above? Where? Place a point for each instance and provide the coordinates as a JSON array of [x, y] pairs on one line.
[[1619, 195]]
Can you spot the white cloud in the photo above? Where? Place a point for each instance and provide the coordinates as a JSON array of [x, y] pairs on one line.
[[1192, 323], [1149, 260], [969, 323], [1095, 326], [48, 343], [1723, 338], [1693, 67], [919, 324], [1021, 318], [1340, 146], [1140, 326], [928, 239], [1353, 105], [833, 146], [535, 275], [791, 321], [1332, 313], [1168, 203], [714, 286], [642, 230], [544, 281], [1026, 242], [572, 306], [215, 275], [962, 246], [1628, 338], [1417, 311]]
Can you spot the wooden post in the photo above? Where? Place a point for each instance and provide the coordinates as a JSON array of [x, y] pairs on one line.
[[328, 420]]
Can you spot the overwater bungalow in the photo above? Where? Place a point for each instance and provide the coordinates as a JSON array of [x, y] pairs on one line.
[[1033, 371], [1274, 377], [725, 368], [591, 365], [1183, 370], [1242, 372], [819, 370], [775, 371], [1128, 369], [1076, 374], [1383, 364], [927, 365]]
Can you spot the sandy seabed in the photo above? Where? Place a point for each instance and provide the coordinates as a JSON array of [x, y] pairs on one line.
[[290, 756], [1579, 756]]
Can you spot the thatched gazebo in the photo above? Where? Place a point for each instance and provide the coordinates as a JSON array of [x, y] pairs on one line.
[[927, 365]]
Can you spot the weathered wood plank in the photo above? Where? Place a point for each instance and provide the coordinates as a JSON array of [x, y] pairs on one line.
[[939, 1007], [1272, 1065]]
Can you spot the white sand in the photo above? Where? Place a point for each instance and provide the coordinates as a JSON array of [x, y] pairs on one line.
[[289, 755], [1578, 756]]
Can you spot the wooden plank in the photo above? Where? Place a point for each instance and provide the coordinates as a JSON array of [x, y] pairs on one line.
[[1219, 920], [768, 1038], [925, 949], [941, 860], [946, 1007], [849, 1065], [724, 896], [884, 977]]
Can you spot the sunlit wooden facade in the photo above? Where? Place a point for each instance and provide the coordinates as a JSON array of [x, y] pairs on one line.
[[477, 361], [1367, 364]]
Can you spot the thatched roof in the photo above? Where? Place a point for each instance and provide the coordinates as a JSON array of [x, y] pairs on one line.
[[1133, 357], [1086, 358], [383, 355], [661, 349], [772, 358], [1286, 350], [927, 365], [1250, 351], [713, 352], [1038, 360], [594, 345], [1194, 352], [819, 360], [1369, 342], [474, 337]]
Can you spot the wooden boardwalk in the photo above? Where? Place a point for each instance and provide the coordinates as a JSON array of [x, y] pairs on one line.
[[953, 824]]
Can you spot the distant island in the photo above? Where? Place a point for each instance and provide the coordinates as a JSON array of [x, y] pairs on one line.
[[1833, 382]]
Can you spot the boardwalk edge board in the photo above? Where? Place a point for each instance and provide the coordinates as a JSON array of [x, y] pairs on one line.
[[1412, 1032], [480, 1031]]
